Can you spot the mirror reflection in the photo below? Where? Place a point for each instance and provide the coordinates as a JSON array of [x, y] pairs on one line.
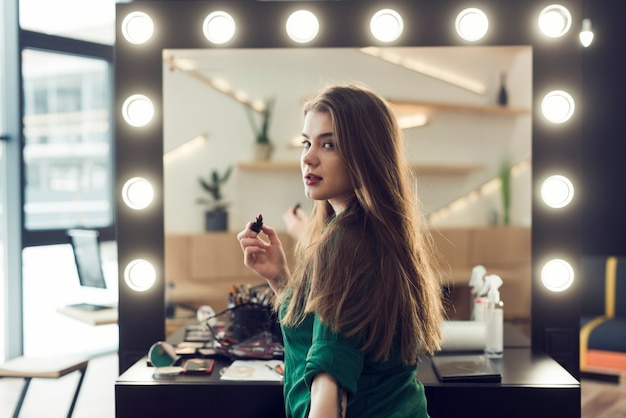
[[465, 112]]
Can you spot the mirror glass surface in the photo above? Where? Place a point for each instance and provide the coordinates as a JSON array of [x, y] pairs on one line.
[[457, 137], [465, 139]]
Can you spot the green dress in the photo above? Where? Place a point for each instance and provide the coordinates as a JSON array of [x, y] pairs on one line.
[[374, 389]]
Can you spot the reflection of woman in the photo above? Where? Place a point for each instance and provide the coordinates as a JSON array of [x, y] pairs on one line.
[[295, 220], [363, 303]]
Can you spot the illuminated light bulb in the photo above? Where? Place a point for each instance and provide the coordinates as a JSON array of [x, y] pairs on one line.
[[557, 106], [137, 28], [586, 35], [137, 110], [472, 24], [137, 193], [302, 26], [557, 191], [386, 25], [557, 275], [219, 27], [140, 275], [555, 21]]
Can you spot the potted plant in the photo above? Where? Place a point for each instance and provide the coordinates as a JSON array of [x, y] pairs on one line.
[[216, 216], [263, 145], [505, 189]]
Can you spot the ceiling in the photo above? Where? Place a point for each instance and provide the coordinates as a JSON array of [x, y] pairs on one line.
[[469, 67]]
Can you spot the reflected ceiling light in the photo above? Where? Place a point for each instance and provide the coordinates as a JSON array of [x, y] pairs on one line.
[[557, 191], [554, 21], [140, 275], [436, 72], [219, 27], [416, 120], [137, 28], [185, 148], [557, 275], [302, 26], [219, 84], [137, 193], [485, 189], [586, 35], [472, 24], [557, 106], [137, 110], [386, 25]]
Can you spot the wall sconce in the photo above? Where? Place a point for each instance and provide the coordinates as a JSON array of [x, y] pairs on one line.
[[557, 275], [557, 191], [555, 21], [140, 275], [302, 26], [219, 27], [557, 106], [137, 193], [472, 24], [138, 110], [586, 35], [137, 28], [386, 25]]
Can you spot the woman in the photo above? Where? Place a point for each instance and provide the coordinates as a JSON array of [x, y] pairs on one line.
[[363, 303]]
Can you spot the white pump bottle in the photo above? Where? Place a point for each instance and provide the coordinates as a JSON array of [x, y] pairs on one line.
[[494, 345], [478, 303]]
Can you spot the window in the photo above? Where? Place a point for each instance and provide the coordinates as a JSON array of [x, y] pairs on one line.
[[67, 141], [92, 20]]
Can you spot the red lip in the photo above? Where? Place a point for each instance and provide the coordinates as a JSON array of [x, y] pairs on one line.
[[311, 179]]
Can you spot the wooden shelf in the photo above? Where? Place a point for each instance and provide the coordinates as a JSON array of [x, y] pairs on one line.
[[432, 169], [405, 108], [269, 166], [446, 169]]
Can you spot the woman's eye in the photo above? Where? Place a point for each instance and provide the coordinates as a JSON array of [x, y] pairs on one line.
[[328, 145], [306, 143]]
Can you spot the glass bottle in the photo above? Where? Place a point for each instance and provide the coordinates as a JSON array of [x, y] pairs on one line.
[[503, 97]]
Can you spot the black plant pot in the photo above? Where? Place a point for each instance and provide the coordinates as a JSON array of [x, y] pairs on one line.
[[216, 220]]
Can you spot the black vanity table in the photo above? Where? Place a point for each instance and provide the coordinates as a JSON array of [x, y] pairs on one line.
[[533, 385]]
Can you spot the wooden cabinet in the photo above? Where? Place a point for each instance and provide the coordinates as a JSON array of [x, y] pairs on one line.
[[202, 267], [505, 251]]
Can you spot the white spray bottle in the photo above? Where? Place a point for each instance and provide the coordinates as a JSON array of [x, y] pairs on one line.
[[476, 284], [495, 319]]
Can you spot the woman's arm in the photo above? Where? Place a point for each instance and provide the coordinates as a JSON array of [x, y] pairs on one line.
[[325, 397]]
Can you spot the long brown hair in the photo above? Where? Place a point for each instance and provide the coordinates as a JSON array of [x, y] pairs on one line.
[[369, 271]]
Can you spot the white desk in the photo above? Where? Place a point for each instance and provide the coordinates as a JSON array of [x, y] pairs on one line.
[[99, 317]]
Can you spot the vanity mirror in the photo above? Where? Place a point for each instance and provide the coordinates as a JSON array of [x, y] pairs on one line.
[[342, 24]]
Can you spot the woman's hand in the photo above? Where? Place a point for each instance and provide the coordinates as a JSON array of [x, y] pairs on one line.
[[267, 259]]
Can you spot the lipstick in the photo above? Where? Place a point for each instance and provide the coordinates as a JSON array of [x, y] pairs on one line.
[[257, 224]]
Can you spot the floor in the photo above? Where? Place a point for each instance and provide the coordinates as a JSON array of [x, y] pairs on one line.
[[603, 400], [51, 398]]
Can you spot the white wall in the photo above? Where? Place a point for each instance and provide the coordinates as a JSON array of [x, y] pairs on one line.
[[192, 107]]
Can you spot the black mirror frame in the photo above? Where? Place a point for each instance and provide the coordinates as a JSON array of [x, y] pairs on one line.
[[555, 148]]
